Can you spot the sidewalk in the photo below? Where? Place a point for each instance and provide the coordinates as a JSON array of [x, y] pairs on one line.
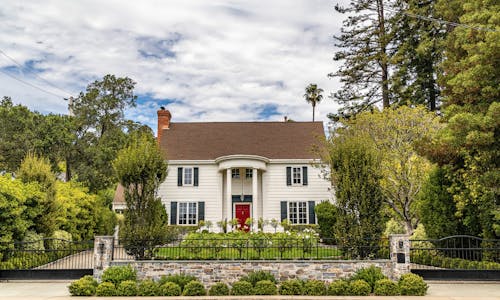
[[57, 290]]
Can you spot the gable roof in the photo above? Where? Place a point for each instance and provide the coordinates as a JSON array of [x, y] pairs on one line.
[[210, 140]]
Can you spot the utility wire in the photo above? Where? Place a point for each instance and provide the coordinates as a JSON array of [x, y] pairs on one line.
[[31, 85]]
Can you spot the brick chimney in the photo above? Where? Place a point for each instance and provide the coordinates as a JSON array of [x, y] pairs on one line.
[[164, 117]]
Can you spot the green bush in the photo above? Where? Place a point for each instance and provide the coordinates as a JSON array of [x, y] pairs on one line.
[[412, 285], [256, 276], [170, 289], [359, 287], [148, 288], [105, 289], [194, 288], [219, 289], [386, 287], [84, 286], [265, 287], [369, 275], [242, 288], [314, 288], [338, 288], [118, 274], [291, 287], [127, 288], [60, 239], [180, 279], [33, 241]]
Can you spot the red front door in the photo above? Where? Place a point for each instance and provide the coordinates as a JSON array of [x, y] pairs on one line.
[[242, 214]]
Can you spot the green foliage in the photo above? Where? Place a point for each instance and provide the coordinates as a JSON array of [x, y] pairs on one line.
[[256, 276], [194, 288], [105, 289], [326, 213], [180, 279], [117, 274], [338, 288], [241, 288], [314, 288], [265, 287], [291, 287], [33, 241], [170, 289], [219, 289], [148, 288], [393, 227], [386, 287], [85, 286], [60, 239], [313, 96], [359, 288], [412, 285], [127, 288], [370, 275]]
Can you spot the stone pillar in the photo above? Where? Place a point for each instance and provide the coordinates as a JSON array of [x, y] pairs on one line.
[[103, 254], [400, 254], [229, 199], [255, 200]]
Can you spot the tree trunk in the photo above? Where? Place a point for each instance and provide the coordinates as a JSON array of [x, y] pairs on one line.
[[313, 110], [383, 54], [408, 227]]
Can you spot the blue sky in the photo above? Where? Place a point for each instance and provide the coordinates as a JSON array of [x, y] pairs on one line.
[[203, 60]]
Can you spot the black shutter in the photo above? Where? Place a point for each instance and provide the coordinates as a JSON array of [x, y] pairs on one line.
[[312, 214], [179, 176], [173, 213], [288, 175], [304, 175], [284, 213], [195, 182], [201, 211]]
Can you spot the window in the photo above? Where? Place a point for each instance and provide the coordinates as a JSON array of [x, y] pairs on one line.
[[248, 173], [297, 212], [188, 213], [235, 173], [297, 176], [188, 176]]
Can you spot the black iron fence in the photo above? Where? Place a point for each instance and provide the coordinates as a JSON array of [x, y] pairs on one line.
[[252, 248], [47, 254]]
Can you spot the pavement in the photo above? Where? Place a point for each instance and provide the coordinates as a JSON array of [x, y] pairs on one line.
[[57, 290]]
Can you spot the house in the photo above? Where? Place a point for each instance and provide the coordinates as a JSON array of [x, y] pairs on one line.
[[238, 170]]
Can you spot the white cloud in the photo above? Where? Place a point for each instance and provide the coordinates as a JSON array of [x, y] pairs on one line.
[[220, 60]]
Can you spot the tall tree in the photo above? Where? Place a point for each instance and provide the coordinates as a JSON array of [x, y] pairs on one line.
[[313, 95]]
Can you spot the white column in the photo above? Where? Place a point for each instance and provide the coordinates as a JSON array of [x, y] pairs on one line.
[[255, 199], [229, 200]]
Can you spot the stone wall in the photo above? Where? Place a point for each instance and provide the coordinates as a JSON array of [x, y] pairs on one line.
[[210, 272]]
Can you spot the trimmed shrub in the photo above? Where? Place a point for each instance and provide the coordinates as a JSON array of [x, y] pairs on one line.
[[291, 287], [314, 288], [194, 288], [33, 241], [179, 279], [170, 289], [359, 287], [242, 288], [148, 288], [338, 288], [265, 287], [105, 289], [118, 274], [219, 289], [386, 287], [412, 285], [84, 286], [369, 275], [127, 288], [256, 276]]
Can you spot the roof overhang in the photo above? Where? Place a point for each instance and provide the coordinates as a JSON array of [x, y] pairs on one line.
[[242, 161]]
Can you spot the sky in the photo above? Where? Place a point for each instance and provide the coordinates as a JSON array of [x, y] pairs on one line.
[[202, 60]]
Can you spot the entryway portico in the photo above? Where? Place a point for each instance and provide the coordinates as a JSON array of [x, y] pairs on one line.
[[242, 187]]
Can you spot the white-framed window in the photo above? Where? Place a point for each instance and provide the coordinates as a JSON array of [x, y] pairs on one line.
[[248, 173], [187, 213], [296, 175], [187, 177], [235, 173], [297, 212]]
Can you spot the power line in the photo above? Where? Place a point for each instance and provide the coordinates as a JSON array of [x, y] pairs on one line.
[[30, 84]]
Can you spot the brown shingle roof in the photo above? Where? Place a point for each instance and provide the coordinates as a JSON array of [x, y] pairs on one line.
[[274, 140]]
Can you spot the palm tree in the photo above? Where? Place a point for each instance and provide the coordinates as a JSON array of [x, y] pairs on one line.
[[313, 95]]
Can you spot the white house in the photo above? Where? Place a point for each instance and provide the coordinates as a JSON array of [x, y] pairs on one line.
[[238, 170]]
